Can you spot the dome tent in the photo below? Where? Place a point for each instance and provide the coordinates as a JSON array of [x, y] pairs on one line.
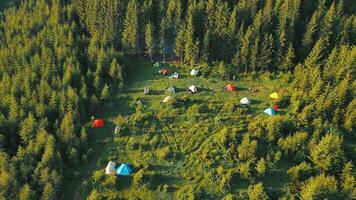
[[193, 89], [230, 88], [167, 99], [270, 111], [194, 72], [174, 76], [146, 90], [245, 101], [98, 123], [276, 107], [110, 168], [274, 95], [124, 169]]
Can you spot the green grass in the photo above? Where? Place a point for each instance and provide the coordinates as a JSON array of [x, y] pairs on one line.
[[188, 136]]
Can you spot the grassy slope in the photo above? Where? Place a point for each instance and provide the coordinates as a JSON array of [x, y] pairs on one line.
[[192, 136]]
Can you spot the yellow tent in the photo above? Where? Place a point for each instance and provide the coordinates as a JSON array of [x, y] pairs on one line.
[[274, 95]]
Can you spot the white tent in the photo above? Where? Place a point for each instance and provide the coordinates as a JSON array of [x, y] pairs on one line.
[[167, 99], [175, 75], [117, 129], [194, 72], [146, 90], [245, 101], [110, 168], [193, 89]]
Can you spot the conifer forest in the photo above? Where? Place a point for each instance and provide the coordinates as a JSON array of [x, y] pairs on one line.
[[178, 99]]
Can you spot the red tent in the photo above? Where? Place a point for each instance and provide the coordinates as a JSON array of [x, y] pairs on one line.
[[230, 88], [276, 106], [98, 123]]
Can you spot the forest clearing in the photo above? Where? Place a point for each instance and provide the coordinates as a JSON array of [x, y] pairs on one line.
[[170, 143]]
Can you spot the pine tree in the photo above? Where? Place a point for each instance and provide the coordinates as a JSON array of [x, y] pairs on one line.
[[28, 129], [245, 49], [315, 55], [254, 55], [149, 39], [25, 193], [309, 35], [321, 187], [180, 42], [256, 192], [130, 35], [288, 60], [190, 45], [48, 192], [327, 155], [265, 57]]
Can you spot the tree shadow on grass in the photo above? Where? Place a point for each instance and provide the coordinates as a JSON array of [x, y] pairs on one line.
[[124, 182], [160, 179]]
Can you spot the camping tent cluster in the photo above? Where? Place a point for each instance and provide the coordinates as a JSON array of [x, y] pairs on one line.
[[123, 170], [272, 111]]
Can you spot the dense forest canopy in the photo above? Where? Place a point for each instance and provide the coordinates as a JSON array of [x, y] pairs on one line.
[[61, 60]]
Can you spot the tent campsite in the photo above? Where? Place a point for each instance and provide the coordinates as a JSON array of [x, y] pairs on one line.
[[163, 72], [174, 76], [167, 99], [270, 111], [245, 101], [276, 107], [124, 169], [110, 168], [192, 89], [274, 95], [194, 72], [98, 123], [230, 88], [146, 90]]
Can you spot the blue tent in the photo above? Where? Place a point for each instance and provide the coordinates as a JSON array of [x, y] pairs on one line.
[[270, 111], [124, 170]]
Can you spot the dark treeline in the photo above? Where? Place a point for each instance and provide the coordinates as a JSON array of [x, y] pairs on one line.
[[252, 35], [52, 79]]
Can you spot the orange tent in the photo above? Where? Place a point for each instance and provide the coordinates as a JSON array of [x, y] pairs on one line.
[[230, 88], [98, 123], [163, 72]]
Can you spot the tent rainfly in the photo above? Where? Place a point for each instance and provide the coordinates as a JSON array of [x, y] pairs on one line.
[[124, 169], [146, 90], [167, 99], [245, 101], [110, 168], [193, 89], [194, 72], [270, 111], [98, 123], [274, 95]]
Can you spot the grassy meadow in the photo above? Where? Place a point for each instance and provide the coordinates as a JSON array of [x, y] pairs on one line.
[[178, 142]]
